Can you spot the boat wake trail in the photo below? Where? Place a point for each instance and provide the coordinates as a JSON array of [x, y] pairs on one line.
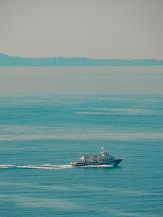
[[47, 166]]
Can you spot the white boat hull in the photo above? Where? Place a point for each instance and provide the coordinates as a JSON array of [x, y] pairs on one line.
[[83, 163]]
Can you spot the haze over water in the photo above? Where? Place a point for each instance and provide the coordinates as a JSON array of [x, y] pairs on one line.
[[51, 115], [81, 80]]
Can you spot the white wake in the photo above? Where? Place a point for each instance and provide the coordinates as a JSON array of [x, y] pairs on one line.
[[47, 166]]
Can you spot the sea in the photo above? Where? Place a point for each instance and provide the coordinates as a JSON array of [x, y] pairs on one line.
[[50, 116]]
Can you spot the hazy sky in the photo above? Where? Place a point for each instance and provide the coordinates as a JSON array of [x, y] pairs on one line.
[[127, 29]]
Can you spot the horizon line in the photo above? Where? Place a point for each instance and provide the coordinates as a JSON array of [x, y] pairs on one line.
[[80, 57]]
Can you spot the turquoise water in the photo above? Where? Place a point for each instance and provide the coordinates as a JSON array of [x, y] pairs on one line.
[[50, 116]]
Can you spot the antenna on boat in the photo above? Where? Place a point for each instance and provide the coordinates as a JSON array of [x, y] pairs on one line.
[[103, 150]]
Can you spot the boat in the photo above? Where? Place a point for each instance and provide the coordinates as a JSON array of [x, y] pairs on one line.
[[99, 159]]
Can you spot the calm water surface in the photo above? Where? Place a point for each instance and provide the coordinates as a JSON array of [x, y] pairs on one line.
[[51, 115]]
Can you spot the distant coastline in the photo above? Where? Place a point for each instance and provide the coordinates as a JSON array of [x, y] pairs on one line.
[[6, 60]]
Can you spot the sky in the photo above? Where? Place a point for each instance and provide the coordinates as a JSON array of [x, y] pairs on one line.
[[121, 29]]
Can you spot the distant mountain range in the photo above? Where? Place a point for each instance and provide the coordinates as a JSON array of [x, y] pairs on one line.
[[6, 60]]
